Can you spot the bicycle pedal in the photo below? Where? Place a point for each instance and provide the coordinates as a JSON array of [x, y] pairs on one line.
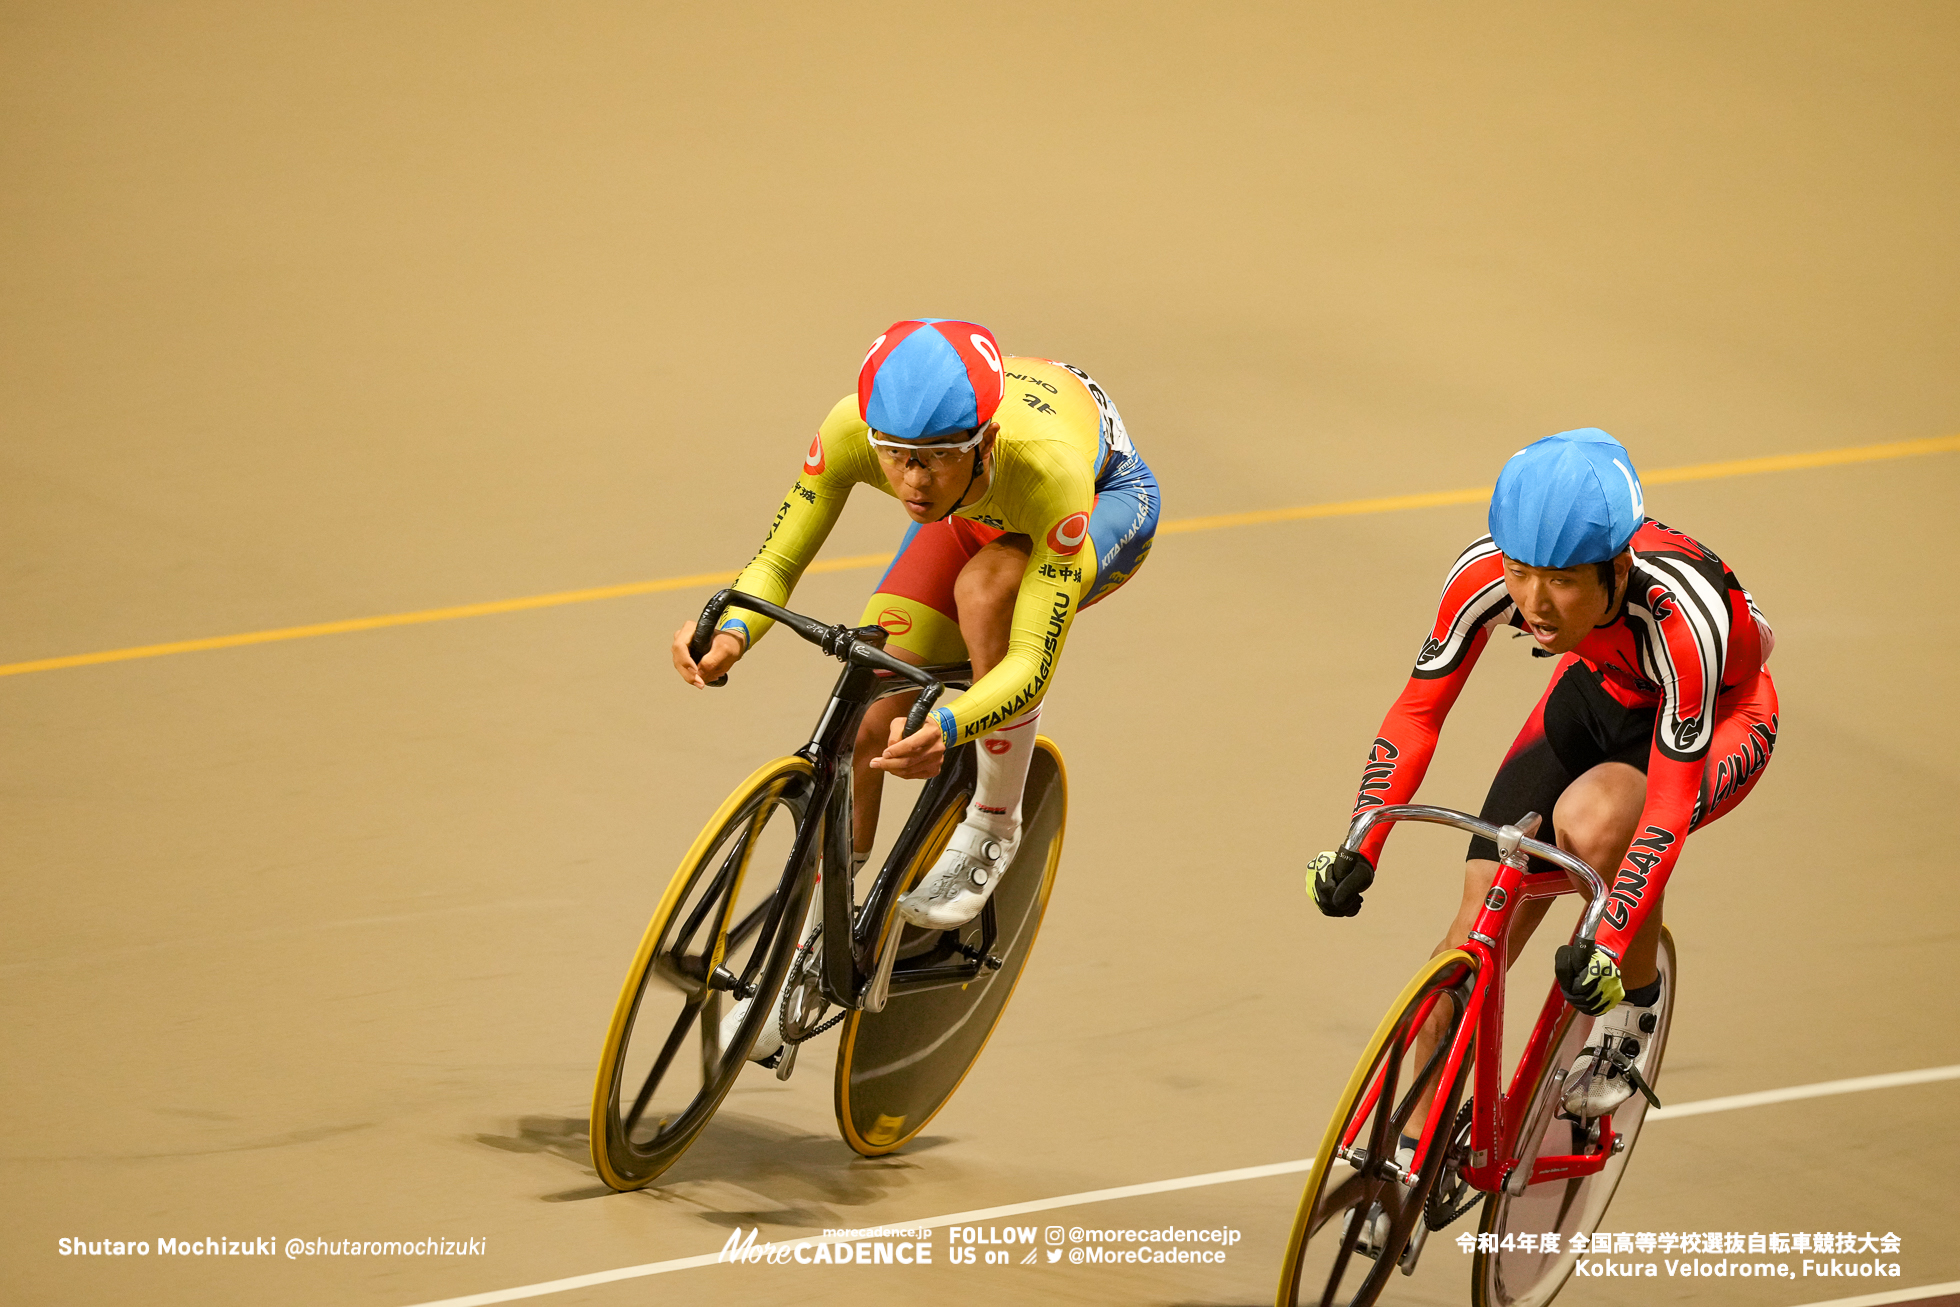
[[1368, 1240], [785, 1060], [775, 1059]]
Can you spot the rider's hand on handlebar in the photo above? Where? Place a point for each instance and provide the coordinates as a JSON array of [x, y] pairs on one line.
[[917, 756], [721, 656], [1336, 880], [1589, 978]]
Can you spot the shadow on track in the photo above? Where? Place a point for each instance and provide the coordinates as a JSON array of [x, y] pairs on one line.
[[802, 1180]]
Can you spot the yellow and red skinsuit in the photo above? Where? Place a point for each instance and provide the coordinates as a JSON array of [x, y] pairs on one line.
[[1043, 486]]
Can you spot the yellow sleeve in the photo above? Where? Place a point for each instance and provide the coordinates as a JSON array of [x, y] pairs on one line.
[[1048, 493], [838, 458]]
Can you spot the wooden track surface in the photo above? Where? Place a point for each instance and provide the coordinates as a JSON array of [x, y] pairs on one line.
[[312, 313]]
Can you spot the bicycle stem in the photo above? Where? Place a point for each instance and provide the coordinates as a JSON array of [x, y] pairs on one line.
[[848, 644], [1514, 844]]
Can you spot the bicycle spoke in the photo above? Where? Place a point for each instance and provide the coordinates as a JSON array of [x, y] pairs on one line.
[[667, 1051], [775, 907], [1381, 1143], [1334, 1200], [671, 1056], [1421, 1084], [1369, 1195], [1571, 1195], [739, 867], [717, 888], [1349, 1237], [746, 927], [1352, 1235]]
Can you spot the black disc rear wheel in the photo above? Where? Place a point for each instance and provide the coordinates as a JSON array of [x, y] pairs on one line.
[[898, 1067]]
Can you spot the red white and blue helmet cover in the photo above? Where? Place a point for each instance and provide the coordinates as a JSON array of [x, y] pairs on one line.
[[930, 376]]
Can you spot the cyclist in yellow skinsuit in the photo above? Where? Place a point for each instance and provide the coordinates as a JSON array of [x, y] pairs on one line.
[[1028, 502]]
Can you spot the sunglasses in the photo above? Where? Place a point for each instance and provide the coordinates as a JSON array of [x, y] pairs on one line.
[[933, 457]]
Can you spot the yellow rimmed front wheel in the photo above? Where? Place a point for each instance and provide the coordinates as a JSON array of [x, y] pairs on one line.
[[724, 930], [1356, 1219]]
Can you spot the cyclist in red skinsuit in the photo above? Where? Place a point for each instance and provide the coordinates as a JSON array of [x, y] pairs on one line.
[[1686, 646], [1660, 716]]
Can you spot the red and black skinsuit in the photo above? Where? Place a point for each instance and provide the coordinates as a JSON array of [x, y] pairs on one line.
[[1673, 684]]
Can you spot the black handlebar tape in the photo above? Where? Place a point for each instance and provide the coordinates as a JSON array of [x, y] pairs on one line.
[[915, 720], [704, 631]]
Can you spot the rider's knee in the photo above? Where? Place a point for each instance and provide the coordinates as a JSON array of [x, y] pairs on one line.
[[1594, 822], [1592, 829]]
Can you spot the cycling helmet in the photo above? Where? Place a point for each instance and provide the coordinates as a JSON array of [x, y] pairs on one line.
[[1565, 500], [929, 376]]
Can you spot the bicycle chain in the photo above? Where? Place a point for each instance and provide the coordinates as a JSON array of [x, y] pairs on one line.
[[1451, 1196], [796, 966]]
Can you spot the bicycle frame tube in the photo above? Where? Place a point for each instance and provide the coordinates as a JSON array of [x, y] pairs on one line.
[[886, 888], [1495, 1133], [832, 744], [1497, 1117], [849, 954], [1530, 1068], [869, 674]]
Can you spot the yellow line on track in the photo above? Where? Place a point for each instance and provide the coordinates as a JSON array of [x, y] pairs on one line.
[[1346, 508]]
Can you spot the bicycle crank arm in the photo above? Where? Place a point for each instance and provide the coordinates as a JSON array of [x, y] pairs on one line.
[[1420, 1236], [1533, 1135], [880, 987]]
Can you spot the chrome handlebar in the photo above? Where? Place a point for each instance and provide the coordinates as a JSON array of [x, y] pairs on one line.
[[1514, 844]]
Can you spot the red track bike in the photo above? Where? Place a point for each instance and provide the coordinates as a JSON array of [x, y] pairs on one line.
[[1543, 1174]]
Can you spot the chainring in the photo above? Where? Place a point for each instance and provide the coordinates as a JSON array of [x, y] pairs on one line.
[[1451, 1196], [801, 1012]]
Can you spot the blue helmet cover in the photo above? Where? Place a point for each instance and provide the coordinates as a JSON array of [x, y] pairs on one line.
[[922, 389], [1565, 500]]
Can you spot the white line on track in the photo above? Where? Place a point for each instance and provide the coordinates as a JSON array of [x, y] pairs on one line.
[[932, 1223], [1919, 1294], [1731, 1103], [1795, 1092]]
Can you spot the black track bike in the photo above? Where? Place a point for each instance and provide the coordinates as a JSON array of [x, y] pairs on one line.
[[764, 907]]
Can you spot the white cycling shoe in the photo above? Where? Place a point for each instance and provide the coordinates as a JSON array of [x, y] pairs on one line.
[[769, 1042], [1374, 1231], [1622, 1039], [1376, 1225], [961, 882]]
